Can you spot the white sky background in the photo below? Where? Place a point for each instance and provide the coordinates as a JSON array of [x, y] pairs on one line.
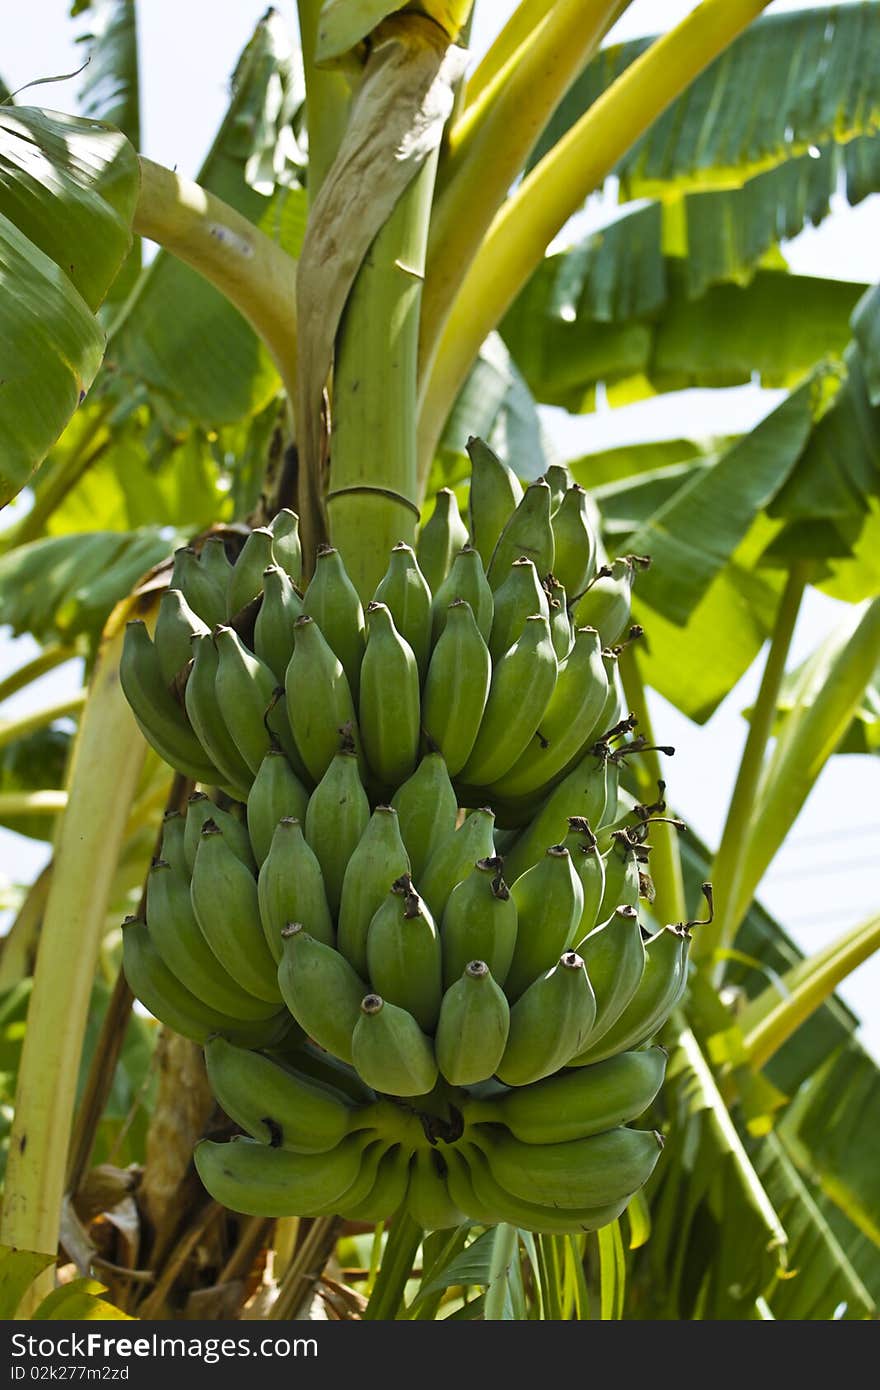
[[822, 881]]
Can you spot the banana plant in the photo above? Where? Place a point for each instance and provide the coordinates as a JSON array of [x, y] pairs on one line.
[[358, 282]]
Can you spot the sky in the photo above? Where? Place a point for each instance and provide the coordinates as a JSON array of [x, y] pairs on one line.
[[822, 880]]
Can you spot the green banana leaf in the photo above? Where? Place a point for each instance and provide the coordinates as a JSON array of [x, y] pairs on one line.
[[76, 1301], [863, 734], [68, 189], [866, 331], [31, 764]]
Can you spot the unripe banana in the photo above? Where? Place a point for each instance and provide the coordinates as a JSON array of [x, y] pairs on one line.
[[291, 888], [466, 580], [607, 602], [159, 716], [622, 876], [390, 1051], [547, 1219], [286, 547], [427, 808], [321, 990], [576, 1104], [662, 984], [337, 816], [199, 810], [528, 532], [559, 480], [472, 1028], [273, 629], [168, 999], [245, 690], [273, 1103], [549, 1024], [177, 937], [277, 794], [575, 542], [457, 687], [522, 683], [442, 536], [582, 793], [572, 710], [614, 707], [319, 700], [200, 585], [549, 902], [332, 601], [388, 1186], [454, 858], [261, 1181], [224, 899], [520, 595], [479, 923], [215, 567], [376, 862], [614, 954], [427, 1196], [561, 630], [172, 851], [403, 954], [389, 704], [200, 698], [404, 591], [495, 492], [246, 579], [176, 625], [593, 1172], [589, 866], [330, 1072]]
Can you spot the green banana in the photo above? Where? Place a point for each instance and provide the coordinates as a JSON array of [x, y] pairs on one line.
[[479, 923], [559, 480], [159, 717], [257, 1180], [614, 954], [455, 856], [171, 850], [245, 690], [495, 492], [273, 1103], [336, 817], [575, 1104], [201, 707], [389, 704], [404, 955], [457, 687], [663, 982], [520, 595], [286, 547], [177, 937], [592, 1172], [589, 866], [214, 564], [334, 1075], [290, 888], [388, 1186], [169, 1000], [200, 584], [442, 536], [176, 625], [246, 580], [607, 601], [224, 899], [332, 601], [427, 808], [461, 1189], [404, 591], [528, 532], [614, 708], [549, 900], [277, 794], [466, 580], [199, 810], [574, 541], [376, 862], [572, 710], [472, 1027], [321, 991], [273, 630], [583, 793], [549, 1024], [319, 701], [622, 876], [549, 1219], [561, 630], [427, 1196], [522, 683], [390, 1051]]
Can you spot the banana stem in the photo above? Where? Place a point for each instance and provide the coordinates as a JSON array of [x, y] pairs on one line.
[[555, 190], [398, 1258], [46, 660], [40, 803], [18, 948], [503, 1254], [506, 45], [13, 729], [729, 862], [328, 97], [373, 498], [670, 904]]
